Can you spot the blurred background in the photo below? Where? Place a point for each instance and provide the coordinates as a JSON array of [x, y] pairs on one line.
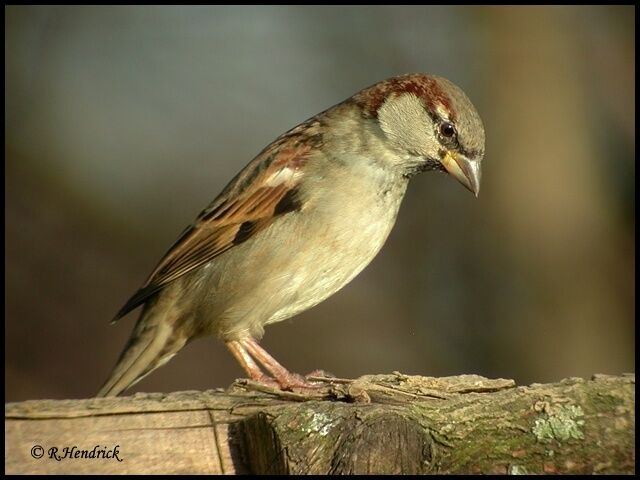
[[122, 123]]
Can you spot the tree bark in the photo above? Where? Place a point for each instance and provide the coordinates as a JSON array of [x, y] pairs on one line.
[[377, 424]]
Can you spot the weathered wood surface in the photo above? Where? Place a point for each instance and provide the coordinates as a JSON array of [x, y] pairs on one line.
[[376, 424]]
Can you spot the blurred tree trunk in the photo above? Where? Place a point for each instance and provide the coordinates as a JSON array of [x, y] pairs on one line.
[[550, 192]]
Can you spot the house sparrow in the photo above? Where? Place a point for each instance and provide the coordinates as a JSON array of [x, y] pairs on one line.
[[298, 223]]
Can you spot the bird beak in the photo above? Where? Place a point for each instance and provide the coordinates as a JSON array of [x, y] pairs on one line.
[[465, 170]]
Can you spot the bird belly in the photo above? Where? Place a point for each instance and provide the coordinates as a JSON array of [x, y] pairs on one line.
[[337, 256]]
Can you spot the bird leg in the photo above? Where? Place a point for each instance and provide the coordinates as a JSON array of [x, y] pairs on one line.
[[248, 364], [284, 377]]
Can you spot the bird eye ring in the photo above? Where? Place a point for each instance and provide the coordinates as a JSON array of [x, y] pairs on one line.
[[447, 130]]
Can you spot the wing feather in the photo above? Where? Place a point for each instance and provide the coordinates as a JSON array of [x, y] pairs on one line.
[[266, 188]]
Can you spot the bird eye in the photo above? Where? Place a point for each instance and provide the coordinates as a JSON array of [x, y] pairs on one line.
[[447, 129]]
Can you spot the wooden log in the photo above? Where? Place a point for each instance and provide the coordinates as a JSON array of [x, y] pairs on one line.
[[376, 424]]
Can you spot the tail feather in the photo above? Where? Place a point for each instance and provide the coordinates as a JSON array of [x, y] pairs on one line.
[[148, 348]]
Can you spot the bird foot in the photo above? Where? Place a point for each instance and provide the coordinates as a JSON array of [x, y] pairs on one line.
[[266, 380], [291, 382], [296, 383]]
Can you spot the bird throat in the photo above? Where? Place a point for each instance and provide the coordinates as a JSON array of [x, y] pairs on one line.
[[426, 166]]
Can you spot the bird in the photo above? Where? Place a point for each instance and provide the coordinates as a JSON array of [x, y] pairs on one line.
[[298, 223]]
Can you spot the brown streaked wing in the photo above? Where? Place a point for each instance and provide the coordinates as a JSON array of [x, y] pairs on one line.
[[210, 237], [245, 206]]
